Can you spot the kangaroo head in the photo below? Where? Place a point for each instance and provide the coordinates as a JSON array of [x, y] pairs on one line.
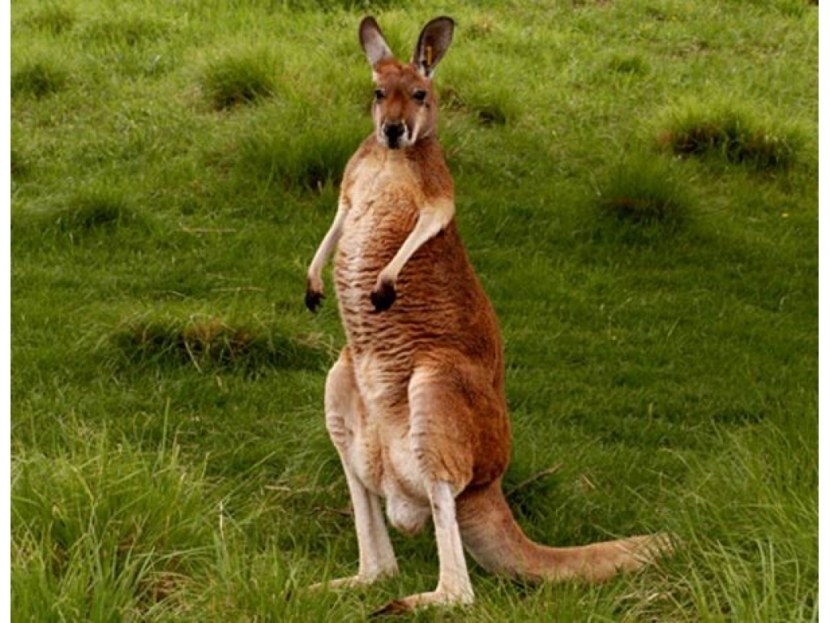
[[405, 109]]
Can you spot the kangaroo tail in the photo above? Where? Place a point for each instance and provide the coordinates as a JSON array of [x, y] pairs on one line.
[[496, 542]]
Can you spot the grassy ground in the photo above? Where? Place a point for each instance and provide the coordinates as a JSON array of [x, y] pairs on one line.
[[637, 187]]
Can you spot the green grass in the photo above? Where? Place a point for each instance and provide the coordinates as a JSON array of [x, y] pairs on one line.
[[730, 134], [636, 184], [39, 78], [239, 78], [643, 198]]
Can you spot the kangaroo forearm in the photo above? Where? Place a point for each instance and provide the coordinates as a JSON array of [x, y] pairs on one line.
[[324, 251], [314, 286], [430, 223]]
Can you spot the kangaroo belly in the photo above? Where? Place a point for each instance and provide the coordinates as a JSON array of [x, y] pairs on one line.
[[381, 456]]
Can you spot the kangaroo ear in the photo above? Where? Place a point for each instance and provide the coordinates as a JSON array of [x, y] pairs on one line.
[[373, 42], [432, 44]]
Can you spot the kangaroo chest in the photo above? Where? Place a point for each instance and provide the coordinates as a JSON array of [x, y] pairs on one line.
[[383, 200]]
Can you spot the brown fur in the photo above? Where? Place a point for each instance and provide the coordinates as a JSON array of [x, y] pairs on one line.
[[417, 396]]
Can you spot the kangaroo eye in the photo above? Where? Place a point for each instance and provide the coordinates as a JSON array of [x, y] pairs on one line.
[[420, 95], [379, 94]]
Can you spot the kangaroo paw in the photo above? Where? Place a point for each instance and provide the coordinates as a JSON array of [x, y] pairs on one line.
[[313, 299], [383, 295]]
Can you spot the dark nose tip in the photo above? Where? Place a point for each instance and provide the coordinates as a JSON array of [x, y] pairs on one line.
[[393, 131]]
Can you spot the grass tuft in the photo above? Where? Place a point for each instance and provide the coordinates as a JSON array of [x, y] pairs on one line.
[[344, 5], [239, 78], [96, 210], [211, 343], [52, 18], [20, 164], [491, 114], [732, 135], [450, 99], [488, 103], [644, 191], [39, 78], [482, 27], [130, 30], [273, 151], [103, 528], [634, 64]]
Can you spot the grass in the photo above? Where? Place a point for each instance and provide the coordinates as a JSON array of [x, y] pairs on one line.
[[239, 78], [642, 194], [52, 18], [733, 135], [636, 184], [108, 530], [211, 343], [39, 78]]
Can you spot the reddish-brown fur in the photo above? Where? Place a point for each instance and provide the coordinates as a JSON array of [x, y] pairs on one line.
[[417, 396]]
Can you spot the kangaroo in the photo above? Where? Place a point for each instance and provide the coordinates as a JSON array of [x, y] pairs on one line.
[[415, 404]]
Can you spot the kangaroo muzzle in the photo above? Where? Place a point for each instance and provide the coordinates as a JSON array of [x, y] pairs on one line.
[[395, 134]]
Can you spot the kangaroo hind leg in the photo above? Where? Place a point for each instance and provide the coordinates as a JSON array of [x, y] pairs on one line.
[[440, 438], [344, 408]]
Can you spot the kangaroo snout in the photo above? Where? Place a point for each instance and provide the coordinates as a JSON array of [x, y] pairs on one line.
[[393, 132]]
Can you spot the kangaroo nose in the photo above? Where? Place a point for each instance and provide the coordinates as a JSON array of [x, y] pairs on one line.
[[393, 132]]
